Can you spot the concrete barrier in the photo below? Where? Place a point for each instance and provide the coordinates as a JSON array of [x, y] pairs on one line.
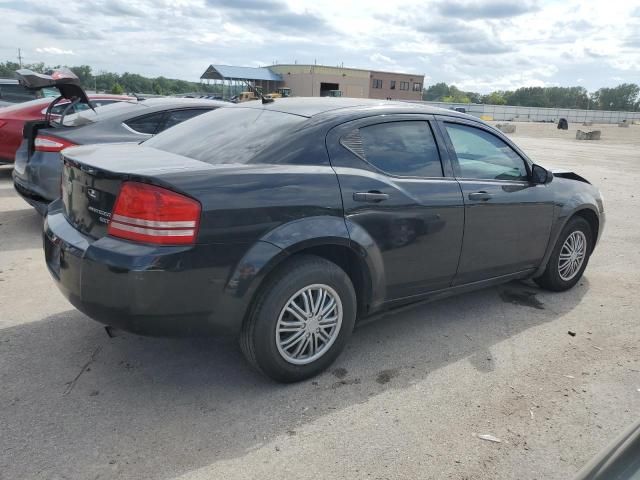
[[506, 127], [593, 135]]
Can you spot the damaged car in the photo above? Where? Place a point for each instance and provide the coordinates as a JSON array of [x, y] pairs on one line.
[[285, 223]]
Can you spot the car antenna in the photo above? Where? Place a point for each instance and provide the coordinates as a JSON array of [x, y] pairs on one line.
[[259, 93]]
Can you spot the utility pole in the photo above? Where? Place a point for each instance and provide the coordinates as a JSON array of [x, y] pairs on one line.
[[20, 58]]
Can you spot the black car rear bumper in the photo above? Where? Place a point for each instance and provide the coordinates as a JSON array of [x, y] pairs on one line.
[[144, 289], [31, 197], [37, 178]]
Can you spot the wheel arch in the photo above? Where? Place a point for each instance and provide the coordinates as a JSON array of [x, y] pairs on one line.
[[593, 220], [588, 212], [326, 237]]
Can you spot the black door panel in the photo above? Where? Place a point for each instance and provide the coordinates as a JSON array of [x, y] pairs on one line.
[[418, 228], [417, 223], [507, 232], [507, 217]]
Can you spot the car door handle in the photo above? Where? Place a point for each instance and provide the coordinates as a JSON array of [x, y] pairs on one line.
[[371, 197], [482, 196]]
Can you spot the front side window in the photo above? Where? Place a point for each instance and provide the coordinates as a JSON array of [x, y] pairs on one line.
[[147, 124], [377, 83], [406, 149], [482, 155]]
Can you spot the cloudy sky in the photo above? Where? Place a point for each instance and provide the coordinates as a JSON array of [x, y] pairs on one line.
[[479, 45]]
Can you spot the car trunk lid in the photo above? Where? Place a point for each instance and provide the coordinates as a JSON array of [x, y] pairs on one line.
[[92, 176]]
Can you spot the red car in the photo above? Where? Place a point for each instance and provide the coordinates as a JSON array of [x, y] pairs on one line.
[[12, 118]]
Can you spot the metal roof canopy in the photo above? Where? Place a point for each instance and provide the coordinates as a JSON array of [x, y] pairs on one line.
[[227, 72]]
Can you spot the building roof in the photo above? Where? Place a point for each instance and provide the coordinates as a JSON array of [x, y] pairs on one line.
[[228, 72]]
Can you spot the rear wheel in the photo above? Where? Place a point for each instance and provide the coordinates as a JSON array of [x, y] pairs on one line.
[[301, 321], [569, 257]]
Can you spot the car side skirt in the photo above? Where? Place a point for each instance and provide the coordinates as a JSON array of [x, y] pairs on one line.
[[457, 290]]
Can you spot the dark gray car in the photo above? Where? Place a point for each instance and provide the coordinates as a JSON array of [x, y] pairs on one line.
[[36, 175], [283, 223]]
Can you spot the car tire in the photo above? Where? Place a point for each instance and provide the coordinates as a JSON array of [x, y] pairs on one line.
[[279, 322], [559, 275]]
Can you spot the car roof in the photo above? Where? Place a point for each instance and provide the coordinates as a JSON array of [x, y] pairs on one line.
[[120, 111], [182, 102], [315, 106]]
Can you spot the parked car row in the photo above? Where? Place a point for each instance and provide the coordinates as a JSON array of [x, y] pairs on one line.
[[37, 162], [14, 117]]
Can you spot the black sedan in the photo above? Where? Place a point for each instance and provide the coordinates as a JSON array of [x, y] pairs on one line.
[[36, 175], [285, 223]]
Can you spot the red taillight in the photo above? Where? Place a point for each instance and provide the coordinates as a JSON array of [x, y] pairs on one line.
[[47, 143], [150, 214]]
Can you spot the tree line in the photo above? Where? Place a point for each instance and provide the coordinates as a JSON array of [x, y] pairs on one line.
[[624, 97], [118, 83]]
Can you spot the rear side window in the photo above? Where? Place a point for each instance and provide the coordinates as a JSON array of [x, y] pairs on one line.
[[178, 116], [147, 124], [405, 149], [228, 135]]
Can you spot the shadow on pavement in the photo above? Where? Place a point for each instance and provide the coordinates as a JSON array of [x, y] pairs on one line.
[[77, 404], [20, 229]]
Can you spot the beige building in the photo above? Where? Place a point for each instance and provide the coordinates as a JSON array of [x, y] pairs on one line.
[[320, 80], [396, 86], [317, 81]]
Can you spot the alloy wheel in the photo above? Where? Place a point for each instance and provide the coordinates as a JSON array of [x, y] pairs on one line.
[[309, 324], [572, 255]]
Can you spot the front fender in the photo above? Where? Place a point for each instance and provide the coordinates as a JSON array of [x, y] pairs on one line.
[[575, 198]]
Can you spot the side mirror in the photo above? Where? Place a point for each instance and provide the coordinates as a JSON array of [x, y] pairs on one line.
[[540, 175]]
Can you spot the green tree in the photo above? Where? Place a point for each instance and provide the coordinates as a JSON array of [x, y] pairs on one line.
[[622, 97], [117, 89], [494, 98], [83, 72], [436, 92]]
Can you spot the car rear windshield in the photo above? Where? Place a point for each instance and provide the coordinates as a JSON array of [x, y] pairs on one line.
[[101, 113], [227, 135]]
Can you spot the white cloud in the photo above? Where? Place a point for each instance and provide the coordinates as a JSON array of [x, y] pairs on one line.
[[54, 51], [496, 44], [379, 58]]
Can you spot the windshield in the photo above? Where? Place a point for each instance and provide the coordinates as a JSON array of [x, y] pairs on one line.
[[227, 135], [101, 113]]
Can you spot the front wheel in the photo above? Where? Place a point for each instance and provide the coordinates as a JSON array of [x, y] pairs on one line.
[[301, 321], [569, 257]]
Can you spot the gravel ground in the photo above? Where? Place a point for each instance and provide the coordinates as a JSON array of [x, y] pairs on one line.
[[407, 399]]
